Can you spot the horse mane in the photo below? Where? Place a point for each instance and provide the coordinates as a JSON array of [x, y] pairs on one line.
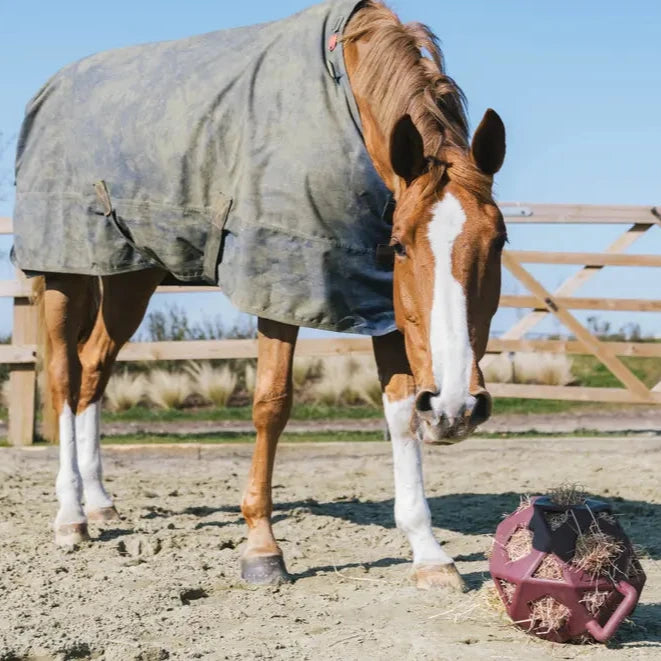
[[402, 72]]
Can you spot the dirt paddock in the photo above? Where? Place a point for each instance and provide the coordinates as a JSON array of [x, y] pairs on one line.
[[164, 582]]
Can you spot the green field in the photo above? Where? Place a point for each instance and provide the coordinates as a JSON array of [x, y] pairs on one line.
[[320, 412]]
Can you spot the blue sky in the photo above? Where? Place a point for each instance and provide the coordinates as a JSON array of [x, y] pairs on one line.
[[578, 85]]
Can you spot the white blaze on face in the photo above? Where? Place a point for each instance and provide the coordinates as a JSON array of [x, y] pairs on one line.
[[451, 352]]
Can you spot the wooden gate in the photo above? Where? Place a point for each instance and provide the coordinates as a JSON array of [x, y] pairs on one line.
[[560, 302], [21, 353]]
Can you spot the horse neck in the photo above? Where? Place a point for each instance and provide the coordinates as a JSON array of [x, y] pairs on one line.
[[376, 136]]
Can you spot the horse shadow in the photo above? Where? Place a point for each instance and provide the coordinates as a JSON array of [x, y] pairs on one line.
[[480, 514], [465, 513]]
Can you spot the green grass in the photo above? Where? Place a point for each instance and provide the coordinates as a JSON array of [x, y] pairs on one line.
[[318, 412], [241, 413], [235, 437], [590, 372], [509, 405]]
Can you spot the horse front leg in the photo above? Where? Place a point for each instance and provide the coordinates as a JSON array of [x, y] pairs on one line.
[[432, 567], [262, 562]]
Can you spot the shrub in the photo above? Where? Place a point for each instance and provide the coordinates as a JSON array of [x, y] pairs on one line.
[[250, 378], [304, 370], [125, 390], [4, 394], [546, 369], [499, 370], [347, 380], [533, 368], [213, 385], [169, 390]]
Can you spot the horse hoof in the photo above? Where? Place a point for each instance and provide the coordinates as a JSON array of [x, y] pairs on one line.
[[264, 570], [432, 577], [103, 515], [71, 534]]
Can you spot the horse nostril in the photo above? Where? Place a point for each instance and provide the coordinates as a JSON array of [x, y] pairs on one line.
[[482, 409], [423, 401]]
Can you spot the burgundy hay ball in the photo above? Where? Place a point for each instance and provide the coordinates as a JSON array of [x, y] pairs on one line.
[[566, 572]]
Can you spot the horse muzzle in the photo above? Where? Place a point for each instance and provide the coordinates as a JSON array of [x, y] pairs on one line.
[[444, 428]]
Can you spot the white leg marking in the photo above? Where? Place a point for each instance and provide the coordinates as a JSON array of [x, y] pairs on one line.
[[411, 509], [89, 458], [451, 352], [69, 483]]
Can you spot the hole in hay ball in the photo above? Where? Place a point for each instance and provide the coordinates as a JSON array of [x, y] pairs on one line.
[[596, 552], [550, 569], [547, 615], [568, 495], [519, 544], [556, 519], [607, 517], [508, 590], [594, 601]]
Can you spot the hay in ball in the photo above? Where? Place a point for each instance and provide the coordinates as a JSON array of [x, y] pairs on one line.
[[564, 568], [597, 552]]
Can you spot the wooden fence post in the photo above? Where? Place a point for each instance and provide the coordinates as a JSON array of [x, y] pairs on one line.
[[23, 378]]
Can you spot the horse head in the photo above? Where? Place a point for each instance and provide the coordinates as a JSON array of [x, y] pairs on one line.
[[448, 236]]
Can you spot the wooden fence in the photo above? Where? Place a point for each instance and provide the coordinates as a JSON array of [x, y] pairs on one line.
[[20, 355]]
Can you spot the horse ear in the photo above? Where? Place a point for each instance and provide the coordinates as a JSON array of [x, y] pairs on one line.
[[407, 150], [488, 148]]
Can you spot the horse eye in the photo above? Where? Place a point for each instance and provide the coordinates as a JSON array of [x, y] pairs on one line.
[[399, 249], [499, 243]]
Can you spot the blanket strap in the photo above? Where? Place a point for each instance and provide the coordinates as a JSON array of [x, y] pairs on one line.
[[103, 194], [213, 250]]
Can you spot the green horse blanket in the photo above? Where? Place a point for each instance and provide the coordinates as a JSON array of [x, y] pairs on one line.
[[234, 157]]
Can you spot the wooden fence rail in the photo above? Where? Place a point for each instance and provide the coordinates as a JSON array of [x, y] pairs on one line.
[[20, 355]]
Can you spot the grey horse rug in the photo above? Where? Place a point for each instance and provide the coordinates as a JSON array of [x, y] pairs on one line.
[[234, 157]]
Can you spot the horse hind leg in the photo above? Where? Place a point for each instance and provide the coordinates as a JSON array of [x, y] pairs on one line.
[[124, 301], [65, 300], [262, 562], [432, 567]]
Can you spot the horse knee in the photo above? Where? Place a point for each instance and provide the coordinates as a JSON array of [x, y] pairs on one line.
[[95, 372], [271, 412], [60, 386]]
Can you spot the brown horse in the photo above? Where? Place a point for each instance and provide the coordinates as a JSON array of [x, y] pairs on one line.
[[447, 236]]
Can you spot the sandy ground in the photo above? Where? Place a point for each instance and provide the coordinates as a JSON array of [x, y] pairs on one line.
[[164, 582]]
